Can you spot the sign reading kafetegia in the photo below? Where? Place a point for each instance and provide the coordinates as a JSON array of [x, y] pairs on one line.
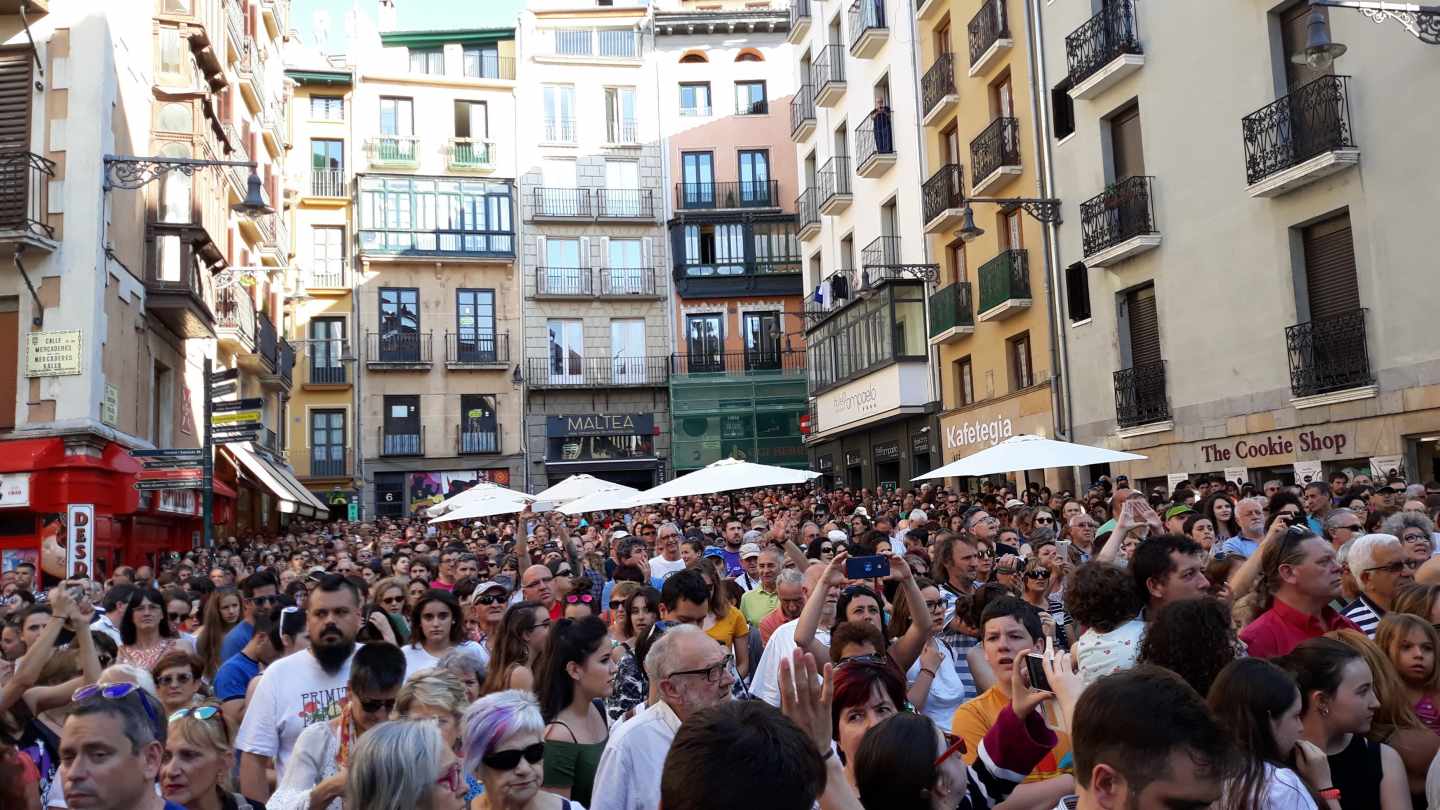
[[52, 354]]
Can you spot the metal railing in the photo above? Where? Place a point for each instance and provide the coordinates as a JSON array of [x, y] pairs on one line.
[[875, 136], [1120, 212], [987, 27], [833, 178], [807, 208], [729, 194], [884, 251], [393, 149], [398, 442], [559, 130], [1101, 39], [799, 10], [762, 359], [327, 461], [997, 145], [564, 203], [626, 281], [802, 107], [617, 42], [1140, 395], [24, 193], [1328, 354], [738, 267], [239, 175], [401, 348], [328, 183], [564, 281], [266, 341], [285, 363], [570, 371], [1313, 119], [469, 442], [938, 82], [1004, 278], [235, 312], [332, 368], [848, 280], [950, 307], [470, 153], [331, 274], [625, 203], [944, 190], [235, 23], [865, 16], [625, 131], [828, 66], [695, 112], [476, 347]]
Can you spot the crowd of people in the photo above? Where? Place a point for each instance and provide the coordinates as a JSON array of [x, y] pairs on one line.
[[1269, 647]]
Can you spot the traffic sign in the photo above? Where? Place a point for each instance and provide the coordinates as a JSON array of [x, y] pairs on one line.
[[234, 418], [172, 452], [222, 390], [225, 376], [251, 404], [170, 483]]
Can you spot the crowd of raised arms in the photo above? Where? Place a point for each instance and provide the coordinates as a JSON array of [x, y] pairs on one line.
[[1270, 647]]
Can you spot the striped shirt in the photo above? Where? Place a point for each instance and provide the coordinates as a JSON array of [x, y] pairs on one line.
[[1365, 614], [1008, 752], [958, 643]]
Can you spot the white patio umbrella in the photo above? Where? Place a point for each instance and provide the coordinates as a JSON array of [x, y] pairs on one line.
[[615, 496], [726, 475], [479, 493], [490, 507], [1026, 452], [576, 486]]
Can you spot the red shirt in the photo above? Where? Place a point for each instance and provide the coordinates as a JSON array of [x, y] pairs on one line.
[[1278, 630]]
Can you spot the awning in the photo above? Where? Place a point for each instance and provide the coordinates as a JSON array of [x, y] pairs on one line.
[[294, 498]]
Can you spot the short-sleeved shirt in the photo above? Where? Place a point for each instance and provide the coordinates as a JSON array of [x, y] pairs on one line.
[[757, 604], [293, 694], [729, 628], [235, 640], [975, 717], [1280, 629], [234, 676]]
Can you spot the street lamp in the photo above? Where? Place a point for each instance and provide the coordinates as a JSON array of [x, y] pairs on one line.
[[1423, 23], [1043, 209], [131, 172], [1319, 52], [969, 231]]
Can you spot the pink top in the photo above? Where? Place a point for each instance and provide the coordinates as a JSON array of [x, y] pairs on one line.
[[1429, 713]]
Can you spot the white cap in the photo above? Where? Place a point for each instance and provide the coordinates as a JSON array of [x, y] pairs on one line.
[[836, 536], [1014, 503], [749, 550], [620, 533]]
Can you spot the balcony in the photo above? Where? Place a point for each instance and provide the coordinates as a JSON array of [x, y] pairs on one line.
[[989, 36], [24, 201], [738, 276], [799, 21], [943, 198], [1104, 50], [627, 282], [275, 243], [265, 359], [399, 441], [561, 203], [763, 361], [807, 210], [397, 351], [251, 76], [868, 29], [598, 372], [730, 194], [564, 282], [636, 204], [833, 183], [239, 176], [1140, 396], [622, 132], [328, 462], [179, 289], [235, 320], [1119, 222], [1300, 138], [802, 113], [559, 132], [469, 441], [326, 364], [470, 155], [925, 9], [330, 183], [283, 377], [1329, 355], [827, 75], [952, 313], [274, 130], [471, 349], [277, 17], [995, 155], [938, 95], [875, 143], [1004, 286], [331, 274], [235, 27], [393, 152], [841, 288]]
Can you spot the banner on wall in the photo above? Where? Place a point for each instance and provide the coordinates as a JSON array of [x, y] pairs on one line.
[[430, 488], [1173, 480], [1308, 471], [79, 539], [1238, 475], [1383, 468]]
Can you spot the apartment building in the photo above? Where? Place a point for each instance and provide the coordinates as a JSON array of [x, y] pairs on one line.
[[591, 179], [1244, 245], [856, 125], [434, 274], [989, 312], [737, 382]]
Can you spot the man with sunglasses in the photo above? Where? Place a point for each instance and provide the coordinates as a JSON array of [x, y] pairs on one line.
[[260, 591], [1380, 567], [111, 748], [690, 672]]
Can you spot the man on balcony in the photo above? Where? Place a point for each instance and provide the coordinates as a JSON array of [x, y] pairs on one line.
[[884, 139]]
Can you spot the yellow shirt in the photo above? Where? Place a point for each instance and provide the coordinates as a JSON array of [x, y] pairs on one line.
[[729, 628], [757, 604], [975, 717]]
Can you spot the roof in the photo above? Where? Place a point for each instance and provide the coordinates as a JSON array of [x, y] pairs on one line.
[[412, 39], [757, 21], [341, 78]]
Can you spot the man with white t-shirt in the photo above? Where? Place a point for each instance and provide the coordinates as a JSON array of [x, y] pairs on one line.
[[667, 562], [766, 683], [302, 689]]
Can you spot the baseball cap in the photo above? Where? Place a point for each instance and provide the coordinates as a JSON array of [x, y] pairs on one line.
[[619, 534], [1014, 503], [489, 585], [749, 550], [751, 536], [759, 523], [1177, 510], [714, 551], [836, 536], [862, 512]]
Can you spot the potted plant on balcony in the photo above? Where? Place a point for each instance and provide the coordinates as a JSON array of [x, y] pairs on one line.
[[1112, 195]]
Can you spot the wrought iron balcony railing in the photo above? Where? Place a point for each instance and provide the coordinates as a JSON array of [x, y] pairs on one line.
[[951, 307], [398, 348], [397, 441], [328, 183], [470, 441], [1004, 278], [1140, 395], [988, 26], [1312, 120], [799, 10], [625, 203], [267, 343], [828, 66], [884, 251], [943, 191], [574, 371], [802, 106], [758, 359], [1120, 212], [875, 136], [564, 281], [1328, 354], [807, 208], [997, 145], [563, 203], [285, 363], [1101, 39], [477, 347], [833, 178], [625, 132], [559, 130], [866, 15], [329, 274], [938, 82], [729, 194], [327, 461], [394, 150], [235, 315], [328, 362], [24, 193], [622, 282]]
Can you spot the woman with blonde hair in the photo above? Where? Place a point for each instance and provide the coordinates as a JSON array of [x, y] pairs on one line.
[[1418, 600], [404, 765], [1412, 643], [195, 768], [439, 695]]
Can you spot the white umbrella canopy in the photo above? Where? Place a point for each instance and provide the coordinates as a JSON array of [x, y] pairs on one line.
[[1026, 452], [479, 493], [484, 508], [576, 486], [725, 475], [616, 496]]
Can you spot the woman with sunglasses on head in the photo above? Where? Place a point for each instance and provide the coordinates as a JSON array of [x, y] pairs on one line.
[[145, 632], [223, 610], [438, 627], [195, 768], [580, 603], [405, 765], [177, 677], [504, 747], [574, 680], [516, 647]]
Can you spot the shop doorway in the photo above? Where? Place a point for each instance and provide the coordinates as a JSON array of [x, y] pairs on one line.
[[887, 474], [854, 477]]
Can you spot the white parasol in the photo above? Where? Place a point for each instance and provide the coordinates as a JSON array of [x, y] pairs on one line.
[[499, 505], [726, 475], [1026, 452], [576, 486], [617, 496], [477, 494]]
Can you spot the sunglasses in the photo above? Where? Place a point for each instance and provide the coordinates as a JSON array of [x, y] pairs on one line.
[[616, 605], [177, 617], [1396, 567], [120, 691], [1042, 521], [201, 713], [373, 706], [180, 679], [827, 548], [1038, 573], [953, 745], [579, 598], [509, 759], [265, 600]]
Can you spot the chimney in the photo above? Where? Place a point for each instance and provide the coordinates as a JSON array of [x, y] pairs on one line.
[[387, 15]]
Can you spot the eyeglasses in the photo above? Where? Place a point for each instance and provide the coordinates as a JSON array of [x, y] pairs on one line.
[[711, 673], [489, 599], [177, 617], [178, 679], [1395, 567], [451, 779], [1038, 573], [953, 745], [578, 598], [201, 713], [393, 600], [509, 759], [373, 706]]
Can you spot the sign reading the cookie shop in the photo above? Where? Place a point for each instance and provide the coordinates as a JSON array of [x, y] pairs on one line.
[[1277, 446]]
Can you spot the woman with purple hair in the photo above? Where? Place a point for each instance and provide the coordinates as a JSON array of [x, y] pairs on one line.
[[504, 748]]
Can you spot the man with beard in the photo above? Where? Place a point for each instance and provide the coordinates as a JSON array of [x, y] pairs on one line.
[[302, 689]]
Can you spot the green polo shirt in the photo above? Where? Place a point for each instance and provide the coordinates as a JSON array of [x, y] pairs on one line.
[[757, 604]]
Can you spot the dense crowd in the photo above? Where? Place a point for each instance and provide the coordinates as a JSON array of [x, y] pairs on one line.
[[1211, 646]]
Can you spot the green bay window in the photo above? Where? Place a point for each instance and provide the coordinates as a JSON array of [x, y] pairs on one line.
[[436, 216]]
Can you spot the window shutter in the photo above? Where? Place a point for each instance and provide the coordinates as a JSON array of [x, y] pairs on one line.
[[605, 251], [1330, 268], [1077, 291], [586, 260], [15, 90], [646, 250], [1128, 153], [1144, 327]]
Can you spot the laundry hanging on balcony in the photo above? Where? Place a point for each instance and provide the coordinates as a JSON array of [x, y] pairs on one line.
[[839, 287]]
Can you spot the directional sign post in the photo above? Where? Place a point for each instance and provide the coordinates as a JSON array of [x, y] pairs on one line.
[[219, 420], [252, 404], [216, 385]]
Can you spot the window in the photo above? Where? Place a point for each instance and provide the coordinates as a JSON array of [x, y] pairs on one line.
[[1141, 327], [693, 58], [573, 41], [705, 342], [1021, 374], [390, 494], [176, 117], [620, 115], [1127, 154], [559, 101], [402, 426], [327, 257], [626, 272], [472, 120], [479, 428], [748, 56], [397, 116], [776, 247], [327, 442], [327, 164], [327, 108], [482, 61], [755, 178], [327, 346], [868, 334], [1077, 292], [567, 351], [427, 60], [162, 397], [617, 42], [695, 99], [175, 197], [627, 350], [964, 382], [698, 177], [1064, 109], [750, 98], [955, 256], [431, 215], [1331, 288], [399, 325], [715, 249], [762, 332], [475, 326]]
